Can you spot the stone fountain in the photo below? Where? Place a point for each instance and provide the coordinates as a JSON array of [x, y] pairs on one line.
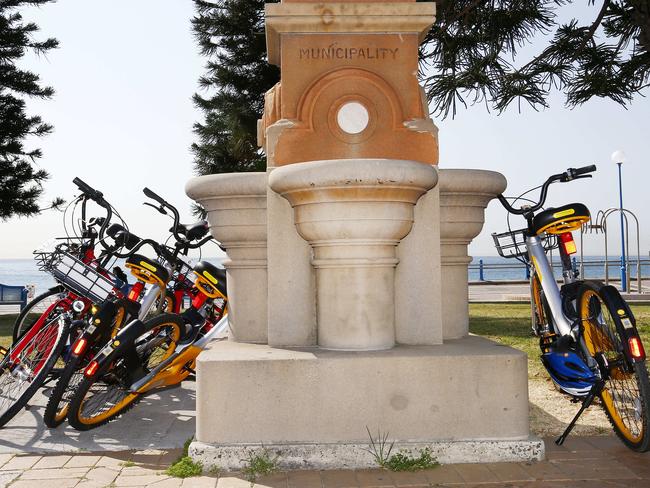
[[347, 264]]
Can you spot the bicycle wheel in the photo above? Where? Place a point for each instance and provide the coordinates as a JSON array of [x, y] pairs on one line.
[[35, 308], [26, 365], [101, 398], [56, 409], [625, 397]]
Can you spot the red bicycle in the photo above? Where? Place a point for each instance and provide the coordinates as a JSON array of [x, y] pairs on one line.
[[83, 280]]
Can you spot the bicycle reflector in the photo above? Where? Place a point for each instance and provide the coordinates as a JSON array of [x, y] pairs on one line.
[[91, 369], [568, 244], [79, 347], [636, 347]]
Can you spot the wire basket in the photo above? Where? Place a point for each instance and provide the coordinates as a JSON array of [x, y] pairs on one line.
[[75, 275], [512, 244]]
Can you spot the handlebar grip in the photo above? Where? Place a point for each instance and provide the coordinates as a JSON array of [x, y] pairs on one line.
[[584, 170], [87, 189], [154, 196]]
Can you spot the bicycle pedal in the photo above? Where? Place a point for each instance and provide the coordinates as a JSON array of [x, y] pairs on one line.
[[3, 351]]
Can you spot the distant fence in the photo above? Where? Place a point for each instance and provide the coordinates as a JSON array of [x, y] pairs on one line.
[[482, 271]]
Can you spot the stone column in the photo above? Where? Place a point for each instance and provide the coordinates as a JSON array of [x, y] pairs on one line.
[[236, 206], [464, 194], [353, 213]]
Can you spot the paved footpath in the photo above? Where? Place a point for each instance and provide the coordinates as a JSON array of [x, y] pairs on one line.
[[163, 420], [584, 461]]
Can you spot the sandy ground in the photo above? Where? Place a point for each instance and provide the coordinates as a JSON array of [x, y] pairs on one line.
[[551, 412]]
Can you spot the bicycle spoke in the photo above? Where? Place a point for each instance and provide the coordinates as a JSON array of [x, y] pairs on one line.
[[23, 362]]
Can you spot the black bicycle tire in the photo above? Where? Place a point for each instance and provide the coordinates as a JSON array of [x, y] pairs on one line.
[[640, 376], [56, 395], [71, 367], [31, 304], [77, 399], [38, 380]]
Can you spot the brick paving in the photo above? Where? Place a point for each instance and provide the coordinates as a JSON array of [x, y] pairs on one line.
[[584, 461]]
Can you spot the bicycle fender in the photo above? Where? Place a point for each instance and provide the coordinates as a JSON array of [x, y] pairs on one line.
[[124, 340], [624, 320]]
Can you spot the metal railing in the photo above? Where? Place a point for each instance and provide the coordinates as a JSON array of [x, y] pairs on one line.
[[494, 271]]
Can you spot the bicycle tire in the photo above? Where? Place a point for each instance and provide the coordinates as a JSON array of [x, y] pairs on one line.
[[22, 323], [71, 376], [626, 394], [106, 396], [24, 347]]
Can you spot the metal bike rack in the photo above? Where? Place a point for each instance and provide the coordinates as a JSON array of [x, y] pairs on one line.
[[599, 226]]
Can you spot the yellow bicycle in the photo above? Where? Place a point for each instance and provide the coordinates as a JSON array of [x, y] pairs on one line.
[[145, 356]]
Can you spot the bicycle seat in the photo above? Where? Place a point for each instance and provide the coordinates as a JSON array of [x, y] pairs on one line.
[[561, 219], [147, 270], [210, 279], [193, 231]]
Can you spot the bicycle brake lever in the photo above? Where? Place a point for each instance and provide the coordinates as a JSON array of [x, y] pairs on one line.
[[160, 209]]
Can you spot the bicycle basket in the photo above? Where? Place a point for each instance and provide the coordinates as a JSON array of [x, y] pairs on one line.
[[512, 244], [75, 275]]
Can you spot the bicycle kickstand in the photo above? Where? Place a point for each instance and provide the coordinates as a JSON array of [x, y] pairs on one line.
[[586, 403]]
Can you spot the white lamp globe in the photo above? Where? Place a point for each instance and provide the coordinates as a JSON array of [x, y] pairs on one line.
[[618, 157]]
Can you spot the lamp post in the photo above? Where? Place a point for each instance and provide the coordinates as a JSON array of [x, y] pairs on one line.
[[619, 158]]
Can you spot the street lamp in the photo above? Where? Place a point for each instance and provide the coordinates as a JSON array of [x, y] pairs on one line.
[[619, 158]]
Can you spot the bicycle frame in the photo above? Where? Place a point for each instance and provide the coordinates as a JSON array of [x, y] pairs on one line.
[[172, 370], [544, 272]]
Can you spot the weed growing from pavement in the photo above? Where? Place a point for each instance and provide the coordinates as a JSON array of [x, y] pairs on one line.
[[403, 460], [379, 447], [260, 464], [185, 466], [127, 464]]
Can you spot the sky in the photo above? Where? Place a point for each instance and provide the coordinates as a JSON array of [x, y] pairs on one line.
[[124, 75]]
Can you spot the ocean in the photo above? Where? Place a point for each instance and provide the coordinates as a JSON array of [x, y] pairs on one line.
[[25, 271], [496, 268]]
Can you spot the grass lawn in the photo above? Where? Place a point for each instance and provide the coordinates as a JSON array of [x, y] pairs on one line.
[[6, 326], [509, 323]]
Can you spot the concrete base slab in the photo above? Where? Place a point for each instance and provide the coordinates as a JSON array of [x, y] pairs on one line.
[[360, 456], [468, 398]]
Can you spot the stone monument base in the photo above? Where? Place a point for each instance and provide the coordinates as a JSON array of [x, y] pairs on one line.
[[465, 399]]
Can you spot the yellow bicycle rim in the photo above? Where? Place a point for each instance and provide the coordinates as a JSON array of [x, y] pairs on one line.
[[597, 341]]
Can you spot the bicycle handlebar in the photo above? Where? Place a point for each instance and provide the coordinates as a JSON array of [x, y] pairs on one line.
[[88, 190], [584, 170], [97, 197], [175, 229], [568, 175], [160, 250], [154, 196]]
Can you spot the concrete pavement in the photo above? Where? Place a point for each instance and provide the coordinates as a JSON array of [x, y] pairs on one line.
[[587, 461], [164, 420]]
